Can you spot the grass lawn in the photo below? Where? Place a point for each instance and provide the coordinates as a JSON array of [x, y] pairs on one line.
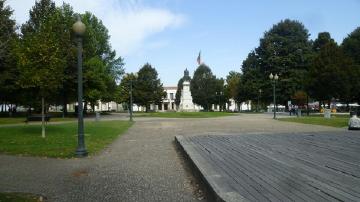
[[4, 121], [335, 121], [19, 197], [61, 139], [184, 114]]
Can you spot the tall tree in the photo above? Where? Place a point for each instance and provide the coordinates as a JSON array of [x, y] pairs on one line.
[[351, 47], [99, 57], [148, 88], [41, 62], [285, 50], [232, 81], [38, 15], [203, 87], [8, 71], [329, 74], [251, 80]]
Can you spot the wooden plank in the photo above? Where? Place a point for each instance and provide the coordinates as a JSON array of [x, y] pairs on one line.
[[293, 167], [280, 174]]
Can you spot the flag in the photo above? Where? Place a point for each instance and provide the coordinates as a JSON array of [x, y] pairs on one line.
[[199, 58]]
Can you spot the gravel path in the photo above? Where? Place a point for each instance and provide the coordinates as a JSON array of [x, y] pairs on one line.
[[142, 165]]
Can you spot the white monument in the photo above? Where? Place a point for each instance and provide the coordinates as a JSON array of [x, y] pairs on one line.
[[186, 103]]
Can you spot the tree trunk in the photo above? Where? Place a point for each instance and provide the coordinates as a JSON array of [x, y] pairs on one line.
[[65, 112], [43, 117], [2, 107], [10, 111]]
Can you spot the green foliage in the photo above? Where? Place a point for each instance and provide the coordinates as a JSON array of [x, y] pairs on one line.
[[8, 39], [351, 45], [123, 90], [61, 139], [148, 88], [286, 51], [38, 16], [351, 48], [330, 74], [41, 62], [233, 81], [178, 91], [203, 87], [338, 122]]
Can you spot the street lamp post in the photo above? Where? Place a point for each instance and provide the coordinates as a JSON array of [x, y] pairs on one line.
[[274, 79], [131, 77], [79, 29], [131, 100], [258, 104]]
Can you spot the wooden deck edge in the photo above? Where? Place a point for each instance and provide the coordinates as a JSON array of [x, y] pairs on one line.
[[200, 171]]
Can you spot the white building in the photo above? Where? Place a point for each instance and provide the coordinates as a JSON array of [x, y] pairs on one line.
[[168, 103]]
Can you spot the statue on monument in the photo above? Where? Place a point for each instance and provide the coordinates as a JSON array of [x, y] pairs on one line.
[[186, 103]]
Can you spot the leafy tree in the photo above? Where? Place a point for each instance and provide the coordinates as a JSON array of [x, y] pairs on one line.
[[221, 96], [8, 71], [233, 80], [123, 89], [285, 50], [251, 80], [178, 91], [38, 16], [351, 45], [41, 62], [329, 74], [203, 87], [148, 88], [322, 39], [101, 62]]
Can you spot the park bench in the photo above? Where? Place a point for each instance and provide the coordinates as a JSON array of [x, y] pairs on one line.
[[37, 117]]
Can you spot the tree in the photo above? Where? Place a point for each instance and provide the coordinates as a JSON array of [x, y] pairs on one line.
[[322, 39], [329, 74], [285, 50], [8, 71], [148, 89], [203, 87], [351, 48], [178, 91], [123, 89], [232, 81], [41, 63], [101, 62], [251, 80], [38, 15], [351, 45]]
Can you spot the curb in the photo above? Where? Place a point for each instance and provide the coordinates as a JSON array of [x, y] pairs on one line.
[[207, 175]]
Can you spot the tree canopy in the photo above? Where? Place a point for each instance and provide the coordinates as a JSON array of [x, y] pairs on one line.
[[148, 88], [203, 87]]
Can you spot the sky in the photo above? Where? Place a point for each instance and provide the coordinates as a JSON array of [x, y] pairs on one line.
[[169, 34]]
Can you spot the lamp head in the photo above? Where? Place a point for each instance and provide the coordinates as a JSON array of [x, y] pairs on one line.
[[276, 77], [271, 76], [79, 27]]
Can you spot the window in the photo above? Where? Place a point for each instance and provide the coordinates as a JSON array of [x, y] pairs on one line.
[[171, 96]]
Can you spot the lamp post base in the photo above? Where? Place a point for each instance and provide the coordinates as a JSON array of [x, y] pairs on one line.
[[80, 152]]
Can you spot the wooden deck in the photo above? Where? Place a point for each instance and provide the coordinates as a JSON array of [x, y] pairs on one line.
[[278, 167]]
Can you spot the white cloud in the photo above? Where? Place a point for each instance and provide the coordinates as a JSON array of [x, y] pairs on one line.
[[129, 22]]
